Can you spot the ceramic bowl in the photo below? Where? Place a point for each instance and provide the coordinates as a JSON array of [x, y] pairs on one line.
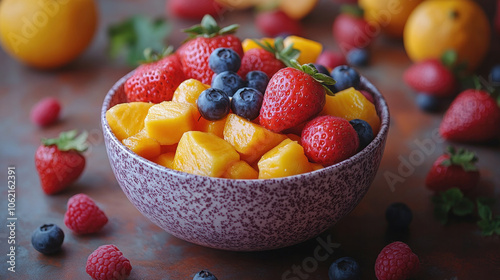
[[244, 215]]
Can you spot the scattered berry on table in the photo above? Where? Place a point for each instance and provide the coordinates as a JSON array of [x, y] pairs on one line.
[[204, 275], [257, 80], [345, 77], [45, 112], [246, 103], [432, 77], [428, 103], [331, 59], [83, 215], [358, 57], [47, 239], [495, 75], [108, 263], [345, 268], [396, 261], [194, 9], [351, 30], [213, 104], [364, 131], [227, 81], [274, 23], [398, 216], [224, 59]]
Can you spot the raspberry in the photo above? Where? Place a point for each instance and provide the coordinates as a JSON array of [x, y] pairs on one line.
[[83, 216], [396, 262], [46, 111], [108, 263]]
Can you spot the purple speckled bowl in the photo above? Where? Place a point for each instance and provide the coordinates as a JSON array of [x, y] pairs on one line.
[[244, 215]]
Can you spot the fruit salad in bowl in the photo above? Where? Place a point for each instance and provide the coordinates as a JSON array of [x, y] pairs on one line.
[[243, 162]]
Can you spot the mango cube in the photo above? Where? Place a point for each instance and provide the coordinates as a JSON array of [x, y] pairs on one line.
[[143, 145], [127, 119], [309, 49], [249, 44], [214, 127], [165, 159], [286, 159], [204, 154], [167, 121], [241, 170], [188, 91]]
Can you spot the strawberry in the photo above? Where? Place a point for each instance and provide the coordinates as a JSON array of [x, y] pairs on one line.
[[59, 161], [205, 38], [276, 22], [454, 169], [268, 59], [157, 79], [474, 116], [194, 9], [432, 77], [328, 140], [294, 95], [351, 30]]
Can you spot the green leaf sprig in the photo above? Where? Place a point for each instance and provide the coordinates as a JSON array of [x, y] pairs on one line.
[[488, 224], [451, 201]]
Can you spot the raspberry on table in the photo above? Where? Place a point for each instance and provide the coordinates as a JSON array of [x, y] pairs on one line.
[[46, 111], [83, 215], [396, 262], [108, 263]]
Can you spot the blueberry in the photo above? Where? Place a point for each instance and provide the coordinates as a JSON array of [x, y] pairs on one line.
[[213, 104], [345, 268], [428, 103], [321, 69], [495, 75], [246, 103], [47, 239], [228, 81], [398, 216], [224, 59], [358, 57], [257, 80], [364, 131], [345, 77], [204, 275]]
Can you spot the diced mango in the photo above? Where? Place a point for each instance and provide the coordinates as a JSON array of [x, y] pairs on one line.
[[309, 49], [249, 44], [188, 91], [143, 145], [168, 148], [165, 159], [127, 119], [240, 170], [215, 127], [204, 153], [249, 139], [351, 104], [167, 121], [286, 159]]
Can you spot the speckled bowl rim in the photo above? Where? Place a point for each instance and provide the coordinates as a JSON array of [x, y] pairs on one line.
[[380, 105]]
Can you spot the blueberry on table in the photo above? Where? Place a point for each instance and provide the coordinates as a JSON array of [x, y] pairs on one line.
[[428, 103], [495, 75], [345, 77], [364, 131], [224, 59], [398, 216], [246, 103], [228, 81], [257, 80], [47, 239], [204, 275], [213, 104], [358, 57], [345, 268]]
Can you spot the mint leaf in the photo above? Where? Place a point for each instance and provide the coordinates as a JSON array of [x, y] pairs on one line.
[[449, 58], [463, 207], [452, 196], [484, 211]]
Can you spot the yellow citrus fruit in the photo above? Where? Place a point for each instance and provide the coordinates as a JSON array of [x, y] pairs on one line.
[[47, 33], [437, 26], [389, 15]]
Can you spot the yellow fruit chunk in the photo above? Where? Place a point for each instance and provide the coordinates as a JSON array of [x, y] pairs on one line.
[[297, 9], [167, 121], [127, 119], [166, 159], [204, 154], [143, 145], [351, 104], [168, 148], [249, 139], [215, 127], [249, 44], [309, 49], [316, 166], [188, 91], [286, 159], [241, 170]]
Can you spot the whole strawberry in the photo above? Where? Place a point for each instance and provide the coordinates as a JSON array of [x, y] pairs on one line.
[[157, 79], [194, 9], [205, 38], [83, 216], [59, 162], [396, 262], [293, 96], [276, 22], [108, 263], [351, 30], [328, 140], [455, 169], [473, 117], [432, 77]]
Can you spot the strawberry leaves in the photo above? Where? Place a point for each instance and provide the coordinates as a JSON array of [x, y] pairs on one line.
[[209, 28], [462, 157], [69, 141], [321, 78], [282, 53]]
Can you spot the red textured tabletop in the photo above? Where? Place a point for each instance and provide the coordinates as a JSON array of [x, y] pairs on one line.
[[453, 251]]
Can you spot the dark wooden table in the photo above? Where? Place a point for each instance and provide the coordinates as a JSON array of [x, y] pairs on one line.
[[454, 251]]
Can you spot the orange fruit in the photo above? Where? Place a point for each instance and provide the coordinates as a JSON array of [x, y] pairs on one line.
[[47, 34], [388, 15], [437, 26]]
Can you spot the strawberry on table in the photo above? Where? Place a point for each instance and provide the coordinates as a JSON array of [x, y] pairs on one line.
[[205, 38], [351, 30], [454, 169], [432, 77], [194, 9], [276, 22], [59, 161]]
